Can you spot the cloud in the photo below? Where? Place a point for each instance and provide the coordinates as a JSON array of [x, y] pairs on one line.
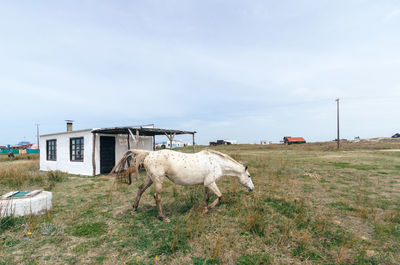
[[392, 15]]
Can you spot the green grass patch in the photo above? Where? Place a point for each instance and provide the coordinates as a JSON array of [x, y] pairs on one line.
[[341, 206], [304, 253], [288, 209], [254, 259], [358, 167], [11, 223], [385, 231], [204, 261], [335, 236], [8, 241], [81, 248], [88, 229]]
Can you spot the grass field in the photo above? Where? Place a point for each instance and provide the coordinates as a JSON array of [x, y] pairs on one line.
[[311, 205]]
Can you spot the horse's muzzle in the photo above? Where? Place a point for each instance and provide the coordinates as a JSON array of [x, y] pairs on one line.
[[250, 189]]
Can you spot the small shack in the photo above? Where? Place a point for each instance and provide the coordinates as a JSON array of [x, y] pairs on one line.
[[95, 151], [293, 140]]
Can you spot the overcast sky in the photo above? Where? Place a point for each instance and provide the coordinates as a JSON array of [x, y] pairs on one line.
[[244, 70]]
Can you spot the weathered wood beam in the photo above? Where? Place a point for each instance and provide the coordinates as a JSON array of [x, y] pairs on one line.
[[193, 143], [171, 138], [94, 154], [137, 139]]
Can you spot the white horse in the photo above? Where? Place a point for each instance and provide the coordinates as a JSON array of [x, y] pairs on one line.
[[202, 168]]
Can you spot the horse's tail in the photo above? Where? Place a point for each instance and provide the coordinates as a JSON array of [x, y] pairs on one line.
[[128, 164]]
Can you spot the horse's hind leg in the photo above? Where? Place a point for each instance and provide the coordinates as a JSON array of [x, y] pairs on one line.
[[142, 188], [214, 188], [157, 197]]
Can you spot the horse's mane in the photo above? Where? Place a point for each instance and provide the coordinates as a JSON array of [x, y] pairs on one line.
[[222, 155]]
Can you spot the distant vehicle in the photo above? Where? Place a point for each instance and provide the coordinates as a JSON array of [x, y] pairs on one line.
[[222, 142], [396, 135]]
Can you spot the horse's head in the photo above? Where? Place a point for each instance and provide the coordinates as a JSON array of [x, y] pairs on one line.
[[245, 179]]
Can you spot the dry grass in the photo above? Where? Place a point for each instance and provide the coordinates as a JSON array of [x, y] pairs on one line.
[[311, 205], [20, 173], [4, 157]]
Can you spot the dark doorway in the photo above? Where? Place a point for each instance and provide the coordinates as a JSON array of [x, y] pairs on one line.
[[107, 154]]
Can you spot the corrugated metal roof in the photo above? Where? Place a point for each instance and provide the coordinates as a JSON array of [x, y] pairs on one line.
[[24, 143], [295, 139], [141, 130]]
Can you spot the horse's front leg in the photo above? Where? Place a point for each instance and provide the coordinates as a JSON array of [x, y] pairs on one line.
[[206, 195], [157, 197], [206, 198], [214, 188], [142, 188]]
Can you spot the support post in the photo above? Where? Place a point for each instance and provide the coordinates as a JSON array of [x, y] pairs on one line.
[[37, 135], [193, 143], [94, 154], [170, 138], [133, 136], [137, 139], [129, 164], [338, 136]]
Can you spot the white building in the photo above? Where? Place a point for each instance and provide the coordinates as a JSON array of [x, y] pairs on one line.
[[95, 151], [175, 144]]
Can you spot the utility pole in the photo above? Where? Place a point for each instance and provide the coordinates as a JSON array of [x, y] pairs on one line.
[[37, 135], [338, 136]]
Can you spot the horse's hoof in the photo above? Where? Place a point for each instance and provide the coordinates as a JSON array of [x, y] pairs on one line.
[[205, 210], [164, 219], [133, 212]]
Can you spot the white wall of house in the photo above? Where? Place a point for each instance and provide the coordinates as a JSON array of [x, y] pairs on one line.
[[63, 162], [85, 167], [121, 144]]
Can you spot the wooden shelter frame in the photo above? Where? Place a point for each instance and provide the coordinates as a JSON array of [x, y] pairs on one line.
[[135, 132]]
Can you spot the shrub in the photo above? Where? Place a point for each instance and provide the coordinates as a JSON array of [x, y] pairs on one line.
[[56, 176], [50, 229]]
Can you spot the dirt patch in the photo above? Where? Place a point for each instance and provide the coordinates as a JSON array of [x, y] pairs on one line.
[[334, 156]]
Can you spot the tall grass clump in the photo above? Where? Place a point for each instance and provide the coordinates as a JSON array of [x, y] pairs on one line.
[[56, 176], [18, 174]]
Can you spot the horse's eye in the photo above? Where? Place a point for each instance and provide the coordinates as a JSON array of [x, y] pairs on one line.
[[249, 176]]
